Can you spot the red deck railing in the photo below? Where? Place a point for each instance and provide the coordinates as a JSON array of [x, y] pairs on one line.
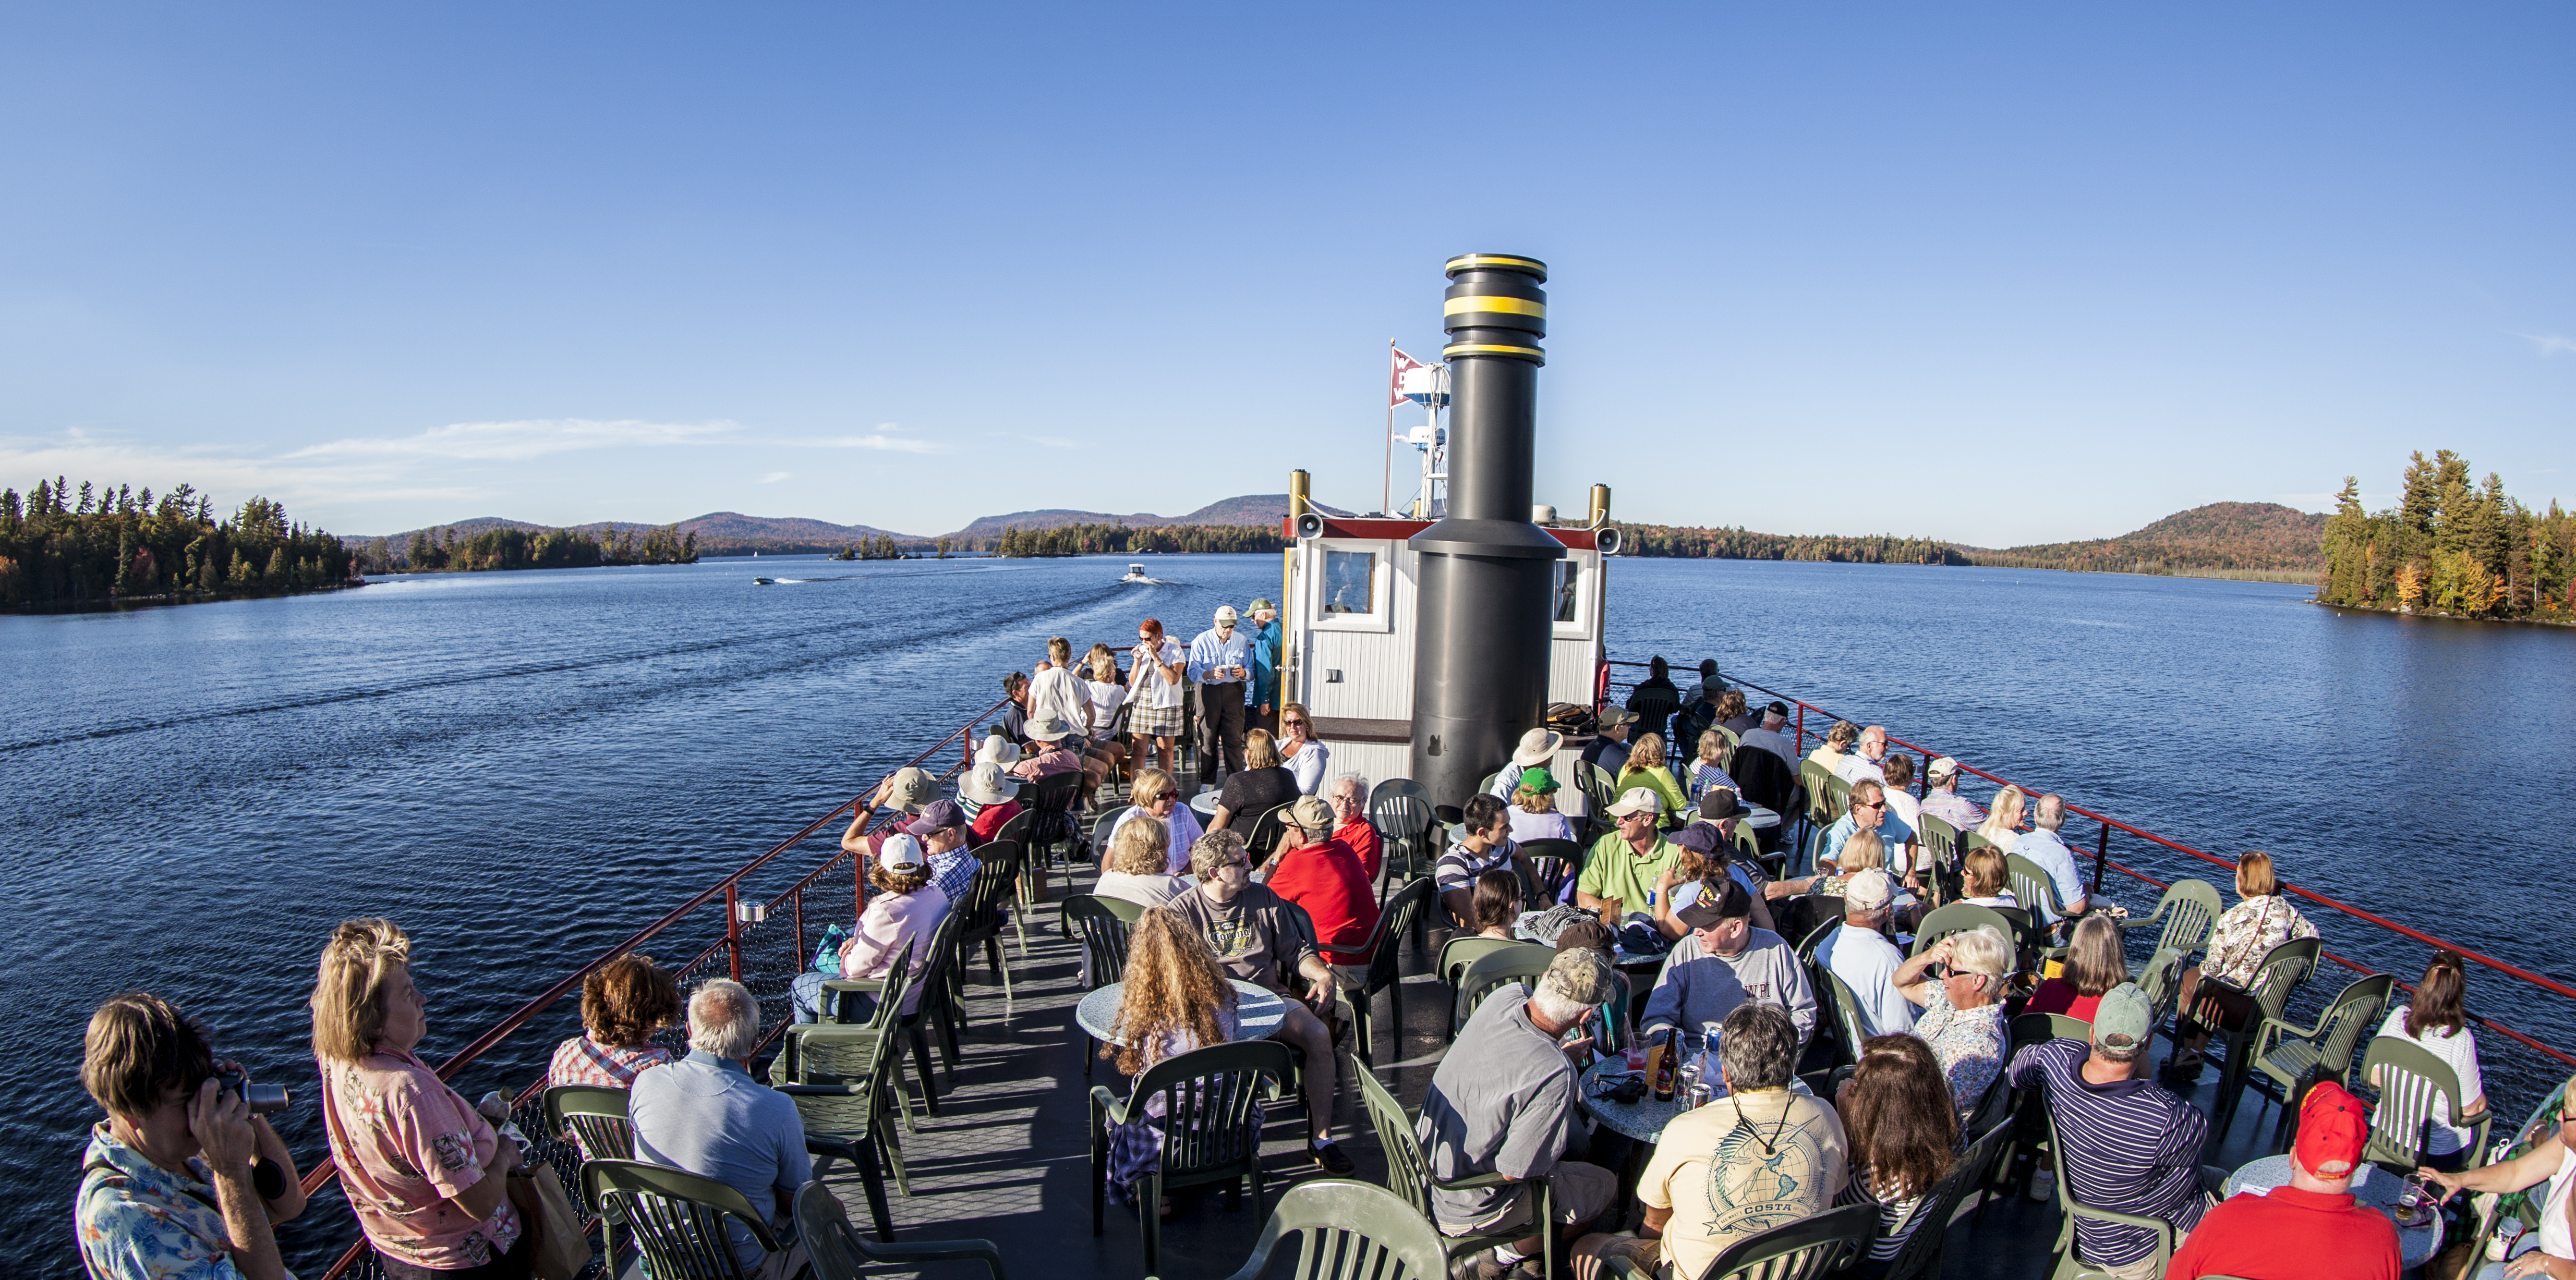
[[729, 888], [2102, 860]]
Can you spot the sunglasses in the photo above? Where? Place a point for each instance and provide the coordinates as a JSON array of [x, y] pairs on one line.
[[1294, 724], [1869, 804]]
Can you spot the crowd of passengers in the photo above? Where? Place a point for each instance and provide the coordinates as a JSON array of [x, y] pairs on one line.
[[180, 1181]]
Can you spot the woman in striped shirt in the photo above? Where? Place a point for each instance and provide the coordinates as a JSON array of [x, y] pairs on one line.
[[1904, 1134]]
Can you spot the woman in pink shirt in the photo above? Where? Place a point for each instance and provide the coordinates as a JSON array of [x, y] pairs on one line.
[[423, 1170], [906, 909]]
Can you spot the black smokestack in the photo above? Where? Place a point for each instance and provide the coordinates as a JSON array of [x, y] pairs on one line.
[[1480, 665]]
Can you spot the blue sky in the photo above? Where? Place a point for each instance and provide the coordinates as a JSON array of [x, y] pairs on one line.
[[2000, 273]]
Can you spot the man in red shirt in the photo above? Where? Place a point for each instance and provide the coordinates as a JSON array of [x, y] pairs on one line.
[[1351, 825], [1322, 875], [2308, 1229]]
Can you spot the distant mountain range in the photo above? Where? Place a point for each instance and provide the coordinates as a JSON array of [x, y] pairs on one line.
[[723, 532], [2226, 536]]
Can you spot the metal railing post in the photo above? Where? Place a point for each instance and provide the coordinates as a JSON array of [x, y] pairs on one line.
[[1802, 728], [2101, 854], [798, 908], [1923, 791], [733, 931]]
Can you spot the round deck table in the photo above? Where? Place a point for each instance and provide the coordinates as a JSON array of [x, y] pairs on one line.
[[1257, 1013], [2374, 1187], [1204, 804], [1644, 1119]]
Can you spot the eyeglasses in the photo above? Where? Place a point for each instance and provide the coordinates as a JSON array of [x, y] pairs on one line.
[[1294, 724], [1869, 804]]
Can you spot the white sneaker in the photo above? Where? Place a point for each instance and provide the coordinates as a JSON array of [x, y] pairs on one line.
[[2043, 1184]]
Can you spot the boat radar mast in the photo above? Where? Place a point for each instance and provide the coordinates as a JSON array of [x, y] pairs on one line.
[[1428, 385]]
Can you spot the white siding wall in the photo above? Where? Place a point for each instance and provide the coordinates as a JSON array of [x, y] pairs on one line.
[[1376, 666]]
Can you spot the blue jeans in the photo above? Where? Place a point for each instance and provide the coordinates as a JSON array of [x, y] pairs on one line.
[[810, 999]]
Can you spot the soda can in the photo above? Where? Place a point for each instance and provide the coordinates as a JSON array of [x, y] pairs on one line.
[[1700, 1094]]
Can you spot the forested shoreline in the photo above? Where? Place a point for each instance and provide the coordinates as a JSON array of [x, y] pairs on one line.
[[2450, 548], [114, 545], [1694, 542], [1119, 539], [440, 550]]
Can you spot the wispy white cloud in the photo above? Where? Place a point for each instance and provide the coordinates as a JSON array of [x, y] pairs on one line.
[[775, 476], [521, 440], [887, 437], [2552, 344]]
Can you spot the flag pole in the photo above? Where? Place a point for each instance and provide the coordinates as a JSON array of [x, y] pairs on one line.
[[1386, 442]]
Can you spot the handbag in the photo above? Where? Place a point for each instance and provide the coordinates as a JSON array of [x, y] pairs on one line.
[[558, 1247]]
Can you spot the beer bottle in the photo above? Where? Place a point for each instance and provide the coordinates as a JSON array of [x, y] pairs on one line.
[[1667, 1063]]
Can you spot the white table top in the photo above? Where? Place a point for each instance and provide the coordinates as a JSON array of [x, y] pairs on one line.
[[1257, 1012], [2371, 1186]]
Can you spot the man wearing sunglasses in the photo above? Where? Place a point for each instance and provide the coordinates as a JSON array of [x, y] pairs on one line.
[[1869, 812], [1221, 664]]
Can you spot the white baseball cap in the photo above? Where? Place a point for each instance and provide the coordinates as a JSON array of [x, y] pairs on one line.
[[899, 852], [1637, 800]]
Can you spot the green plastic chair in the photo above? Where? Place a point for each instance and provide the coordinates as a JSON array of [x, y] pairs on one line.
[[1056, 829], [2032, 888], [2293, 1057], [1551, 861], [1393, 922], [1401, 811], [838, 1079], [595, 1117], [888, 1022], [2070, 1266], [1600, 791], [1102, 826], [1808, 1249], [2408, 1078], [1845, 1015], [679, 1220], [1942, 841], [936, 1012], [2189, 910], [1522, 962], [1961, 917], [1816, 781], [1261, 832], [1103, 936], [1465, 949], [1348, 1230], [983, 910], [839, 1253], [1919, 1258], [1408, 1175], [2040, 1028], [1211, 1130], [2284, 968]]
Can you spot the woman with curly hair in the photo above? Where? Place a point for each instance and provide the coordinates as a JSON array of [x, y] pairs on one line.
[[1904, 1133], [622, 1005], [1176, 999]]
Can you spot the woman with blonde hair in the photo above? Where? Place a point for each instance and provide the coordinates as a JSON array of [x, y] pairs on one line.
[[1108, 692], [1176, 998], [1963, 1013], [1138, 868], [1989, 882], [2094, 965], [2261, 920], [1648, 768], [1709, 770], [1298, 750], [1864, 851], [424, 1171], [1262, 785], [2003, 822], [1156, 796]]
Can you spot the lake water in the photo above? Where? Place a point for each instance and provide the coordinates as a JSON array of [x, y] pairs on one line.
[[523, 768]]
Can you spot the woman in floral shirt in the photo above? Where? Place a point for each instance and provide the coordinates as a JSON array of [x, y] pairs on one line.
[[424, 1171], [2261, 920], [1963, 1014], [168, 1189]]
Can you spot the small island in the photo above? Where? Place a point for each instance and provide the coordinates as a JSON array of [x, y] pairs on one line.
[[2450, 548]]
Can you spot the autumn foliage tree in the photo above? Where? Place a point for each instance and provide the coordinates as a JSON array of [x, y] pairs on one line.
[[2450, 546]]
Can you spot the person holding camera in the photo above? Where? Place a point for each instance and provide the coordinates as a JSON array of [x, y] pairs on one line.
[[426, 1173], [184, 1178]]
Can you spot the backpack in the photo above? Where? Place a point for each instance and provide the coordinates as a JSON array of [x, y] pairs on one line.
[[1571, 718]]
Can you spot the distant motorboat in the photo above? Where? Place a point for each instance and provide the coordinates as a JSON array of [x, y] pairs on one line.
[[764, 582], [1136, 573]]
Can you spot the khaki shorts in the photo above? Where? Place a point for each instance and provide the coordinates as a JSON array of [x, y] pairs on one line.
[[1581, 1192]]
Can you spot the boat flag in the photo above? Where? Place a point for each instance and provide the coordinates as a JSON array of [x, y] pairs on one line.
[[1397, 363]]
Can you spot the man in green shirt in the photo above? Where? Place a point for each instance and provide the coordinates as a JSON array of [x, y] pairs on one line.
[[1620, 875]]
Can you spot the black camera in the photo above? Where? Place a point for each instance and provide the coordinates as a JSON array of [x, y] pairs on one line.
[[261, 1099]]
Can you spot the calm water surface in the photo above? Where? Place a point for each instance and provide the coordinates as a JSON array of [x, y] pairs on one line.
[[523, 768]]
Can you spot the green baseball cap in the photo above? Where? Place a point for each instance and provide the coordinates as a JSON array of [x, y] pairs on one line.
[[1537, 778]]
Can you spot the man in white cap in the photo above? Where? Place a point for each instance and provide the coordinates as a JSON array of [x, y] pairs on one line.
[[1620, 875], [1775, 717], [1221, 665], [1536, 747], [1864, 959], [1942, 800]]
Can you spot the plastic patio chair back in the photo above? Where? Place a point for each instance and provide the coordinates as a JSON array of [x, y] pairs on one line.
[[2189, 909], [1261, 839], [1385, 941], [1408, 1171], [1465, 949], [1209, 1096], [2032, 888], [1940, 839], [1401, 811], [2040, 1028], [2408, 1077], [2161, 978], [890, 992], [2353, 1014], [1848, 1032], [1492, 972], [1552, 861], [679, 1220], [596, 1118], [1920, 1256], [1102, 826], [1103, 936], [1808, 1249], [1962, 917], [1349, 1230], [1017, 829], [838, 1252], [1818, 783]]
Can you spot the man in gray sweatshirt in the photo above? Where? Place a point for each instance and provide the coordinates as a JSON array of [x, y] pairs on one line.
[[1723, 962]]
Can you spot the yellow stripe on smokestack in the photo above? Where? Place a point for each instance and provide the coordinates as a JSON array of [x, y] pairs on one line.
[[1493, 302]]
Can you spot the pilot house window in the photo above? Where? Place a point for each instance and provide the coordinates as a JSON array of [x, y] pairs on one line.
[[1566, 573], [1350, 581]]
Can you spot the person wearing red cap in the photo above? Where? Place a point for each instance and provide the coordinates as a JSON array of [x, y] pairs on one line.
[[2309, 1228]]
